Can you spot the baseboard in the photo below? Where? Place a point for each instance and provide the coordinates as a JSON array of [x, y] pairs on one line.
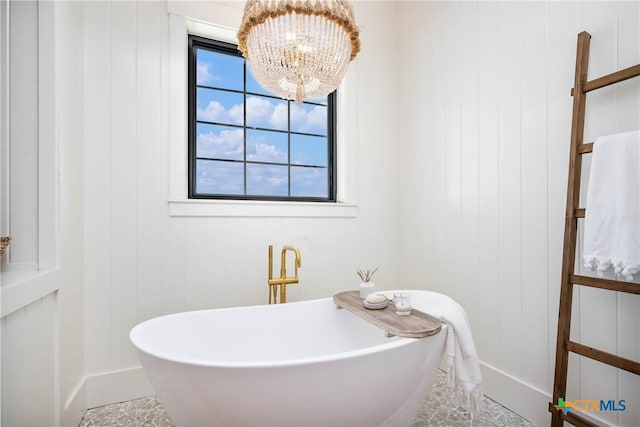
[[75, 406], [520, 397], [104, 389], [118, 386]]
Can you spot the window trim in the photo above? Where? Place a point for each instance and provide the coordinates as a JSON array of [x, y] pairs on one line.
[[189, 18], [199, 42]]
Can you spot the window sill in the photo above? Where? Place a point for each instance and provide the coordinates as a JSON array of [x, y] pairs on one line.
[[252, 208]]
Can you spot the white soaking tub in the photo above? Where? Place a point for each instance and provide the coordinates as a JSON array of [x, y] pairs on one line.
[[296, 364]]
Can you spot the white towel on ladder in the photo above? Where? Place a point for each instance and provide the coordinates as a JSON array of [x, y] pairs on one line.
[[612, 221]]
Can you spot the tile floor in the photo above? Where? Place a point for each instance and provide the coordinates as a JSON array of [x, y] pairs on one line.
[[436, 412]]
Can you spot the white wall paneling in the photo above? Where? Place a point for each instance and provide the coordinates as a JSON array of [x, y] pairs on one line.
[[70, 136], [4, 120], [510, 56], [97, 159], [488, 339], [42, 357], [28, 368], [628, 116], [468, 263], [534, 188], [496, 139], [125, 121], [22, 185], [150, 195], [47, 224], [28, 191], [30, 280], [562, 24]]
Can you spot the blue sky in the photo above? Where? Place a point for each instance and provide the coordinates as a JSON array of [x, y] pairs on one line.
[[226, 140]]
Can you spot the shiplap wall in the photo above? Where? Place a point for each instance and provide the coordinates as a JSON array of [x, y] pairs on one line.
[[69, 113], [22, 178], [484, 138], [29, 396], [28, 318], [42, 286], [139, 261]]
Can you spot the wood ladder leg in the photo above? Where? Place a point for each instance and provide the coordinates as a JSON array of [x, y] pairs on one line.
[[571, 228]]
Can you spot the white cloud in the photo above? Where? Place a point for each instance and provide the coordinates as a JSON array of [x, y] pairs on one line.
[[215, 112], [259, 149], [279, 116], [220, 178], [259, 110], [204, 74], [313, 120], [263, 112], [228, 144], [277, 181], [265, 153], [236, 114], [267, 180], [308, 182], [317, 117]]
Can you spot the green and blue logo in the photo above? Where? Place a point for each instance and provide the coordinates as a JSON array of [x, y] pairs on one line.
[[588, 405]]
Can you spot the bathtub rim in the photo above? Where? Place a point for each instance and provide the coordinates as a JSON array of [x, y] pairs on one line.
[[394, 342]]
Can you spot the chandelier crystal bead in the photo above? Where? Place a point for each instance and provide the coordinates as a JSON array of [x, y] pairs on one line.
[[299, 49]]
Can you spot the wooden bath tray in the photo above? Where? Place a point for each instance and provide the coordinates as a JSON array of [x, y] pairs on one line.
[[415, 325]]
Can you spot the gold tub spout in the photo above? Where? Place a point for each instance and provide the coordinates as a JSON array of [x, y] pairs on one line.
[[282, 281]]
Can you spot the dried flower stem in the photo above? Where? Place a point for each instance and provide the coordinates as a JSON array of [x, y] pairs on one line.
[[367, 274]]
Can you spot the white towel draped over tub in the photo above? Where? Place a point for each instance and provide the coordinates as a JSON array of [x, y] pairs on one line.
[[612, 221], [463, 366]]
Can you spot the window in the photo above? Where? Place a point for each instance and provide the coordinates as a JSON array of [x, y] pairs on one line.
[[245, 143]]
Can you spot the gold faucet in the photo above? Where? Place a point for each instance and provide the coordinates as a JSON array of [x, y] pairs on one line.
[[282, 281]]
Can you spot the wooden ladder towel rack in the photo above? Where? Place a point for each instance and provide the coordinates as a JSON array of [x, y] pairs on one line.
[[573, 212]]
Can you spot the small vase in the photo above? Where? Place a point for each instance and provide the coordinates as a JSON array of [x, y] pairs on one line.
[[366, 288]]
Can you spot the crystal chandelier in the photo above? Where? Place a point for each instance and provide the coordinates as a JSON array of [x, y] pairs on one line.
[[299, 49]]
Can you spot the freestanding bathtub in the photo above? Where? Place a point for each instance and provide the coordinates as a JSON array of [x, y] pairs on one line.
[[296, 364]]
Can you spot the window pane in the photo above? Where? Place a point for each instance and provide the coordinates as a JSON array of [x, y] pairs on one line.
[[246, 142], [266, 146], [267, 113], [267, 180], [309, 150], [219, 106], [309, 182], [254, 86], [308, 118], [219, 70], [323, 101], [214, 177], [219, 142]]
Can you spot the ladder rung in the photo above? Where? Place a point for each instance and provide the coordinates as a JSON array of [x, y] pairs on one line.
[[585, 148], [601, 283], [579, 213], [612, 78], [604, 357]]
